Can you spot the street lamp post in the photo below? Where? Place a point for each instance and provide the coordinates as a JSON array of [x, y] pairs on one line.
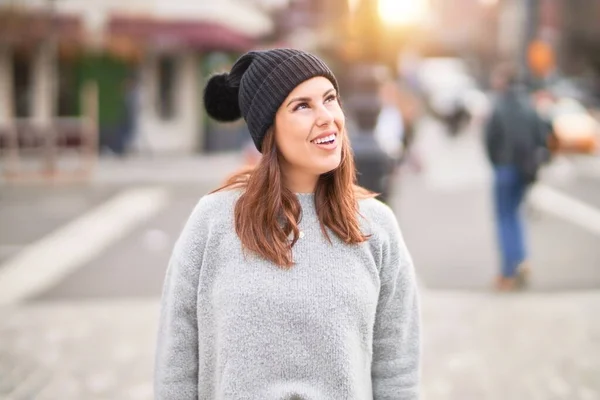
[[49, 56], [529, 34]]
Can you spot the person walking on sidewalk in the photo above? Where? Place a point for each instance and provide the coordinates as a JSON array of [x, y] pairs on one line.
[[289, 282], [515, 144]]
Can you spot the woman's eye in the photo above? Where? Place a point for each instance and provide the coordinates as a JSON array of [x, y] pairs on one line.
[[330, 98], [301, 106]]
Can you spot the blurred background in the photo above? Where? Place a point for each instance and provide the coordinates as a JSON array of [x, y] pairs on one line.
[[105, 149]]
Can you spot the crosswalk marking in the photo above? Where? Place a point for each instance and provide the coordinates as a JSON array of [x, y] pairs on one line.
[[566, 207], [47, 261]]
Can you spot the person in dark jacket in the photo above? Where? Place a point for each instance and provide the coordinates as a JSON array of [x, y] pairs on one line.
[[514, 138]]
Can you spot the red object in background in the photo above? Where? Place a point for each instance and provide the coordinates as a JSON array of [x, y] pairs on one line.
[[540, 57], [203, 36]]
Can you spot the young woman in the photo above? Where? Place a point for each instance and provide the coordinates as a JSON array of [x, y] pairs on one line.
[[289, 282]]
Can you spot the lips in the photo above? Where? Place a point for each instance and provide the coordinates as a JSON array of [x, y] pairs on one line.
[[327, 141], [325, 138]]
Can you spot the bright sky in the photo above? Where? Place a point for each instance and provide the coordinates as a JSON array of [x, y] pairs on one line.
[[403, 12]]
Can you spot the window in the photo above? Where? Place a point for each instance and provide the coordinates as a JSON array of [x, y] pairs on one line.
[[166, 87], [23, 88], [67, 89]]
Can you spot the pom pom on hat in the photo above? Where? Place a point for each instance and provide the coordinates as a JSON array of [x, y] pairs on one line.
[[221, 98]]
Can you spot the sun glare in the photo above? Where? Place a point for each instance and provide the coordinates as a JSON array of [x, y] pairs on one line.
[[402, 12]]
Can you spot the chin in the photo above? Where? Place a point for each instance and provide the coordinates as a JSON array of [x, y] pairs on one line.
[[329, 166]]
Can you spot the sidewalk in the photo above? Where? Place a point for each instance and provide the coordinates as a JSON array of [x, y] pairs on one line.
[[206, 168], [189, 168], [163, 169]]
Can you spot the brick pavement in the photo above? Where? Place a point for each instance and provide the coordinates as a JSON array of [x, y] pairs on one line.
[[77, 350], [511, 347], [477, 346]]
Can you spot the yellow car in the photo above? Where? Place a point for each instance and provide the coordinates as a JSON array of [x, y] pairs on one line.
[[575, 129]]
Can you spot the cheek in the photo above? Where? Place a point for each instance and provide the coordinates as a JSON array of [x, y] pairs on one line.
[[339, 118], [291, 142]]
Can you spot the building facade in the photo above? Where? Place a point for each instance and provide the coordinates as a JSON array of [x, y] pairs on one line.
[[149, 58]]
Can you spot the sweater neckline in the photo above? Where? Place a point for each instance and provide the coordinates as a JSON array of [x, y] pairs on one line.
[[307, 202]]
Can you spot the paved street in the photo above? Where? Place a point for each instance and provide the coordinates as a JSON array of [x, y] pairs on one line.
[[89, 334]]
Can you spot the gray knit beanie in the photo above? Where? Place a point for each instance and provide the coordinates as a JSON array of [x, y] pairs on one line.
[[257, 84]]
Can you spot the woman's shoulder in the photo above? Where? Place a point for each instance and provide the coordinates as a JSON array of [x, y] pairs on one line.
[[216, 206], [375, 210], [378, 219], [220, 200]]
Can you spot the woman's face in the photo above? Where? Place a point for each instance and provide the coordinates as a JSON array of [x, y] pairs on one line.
[[309, 130]]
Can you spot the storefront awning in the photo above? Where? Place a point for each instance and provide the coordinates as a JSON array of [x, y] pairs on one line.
[[203, 25], [203, 36], [32, 27]]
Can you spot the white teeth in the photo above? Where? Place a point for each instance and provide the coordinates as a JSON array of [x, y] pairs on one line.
[[325, 139]]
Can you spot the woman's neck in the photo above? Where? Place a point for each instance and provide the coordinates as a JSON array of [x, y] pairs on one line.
[[301, 183]]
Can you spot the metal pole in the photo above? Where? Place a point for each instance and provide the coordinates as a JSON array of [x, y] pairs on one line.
[[7, 92], [529, 34], [48, 124]]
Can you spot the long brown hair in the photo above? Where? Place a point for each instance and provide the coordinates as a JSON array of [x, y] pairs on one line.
[[267, 211]]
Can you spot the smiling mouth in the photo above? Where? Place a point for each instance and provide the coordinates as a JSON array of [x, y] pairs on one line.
[[325, 140]]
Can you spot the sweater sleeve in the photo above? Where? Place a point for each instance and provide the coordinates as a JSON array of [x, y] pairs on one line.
[[176, 361], [397, 331]]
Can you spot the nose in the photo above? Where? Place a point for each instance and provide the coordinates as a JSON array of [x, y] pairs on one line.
[[324, 116]]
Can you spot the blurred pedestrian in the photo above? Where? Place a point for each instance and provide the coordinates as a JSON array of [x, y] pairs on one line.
[[411, 111], [290, 281], [514, 137], [126, 129], [396, 124], [374, 167], [389, 130]]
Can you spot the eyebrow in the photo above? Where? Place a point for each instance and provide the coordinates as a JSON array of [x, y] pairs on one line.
[[308, 98]]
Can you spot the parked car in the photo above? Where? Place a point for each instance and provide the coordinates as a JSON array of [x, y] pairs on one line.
[[574, 129]]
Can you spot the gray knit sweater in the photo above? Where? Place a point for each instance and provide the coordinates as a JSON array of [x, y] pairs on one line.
[[343, 323]]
